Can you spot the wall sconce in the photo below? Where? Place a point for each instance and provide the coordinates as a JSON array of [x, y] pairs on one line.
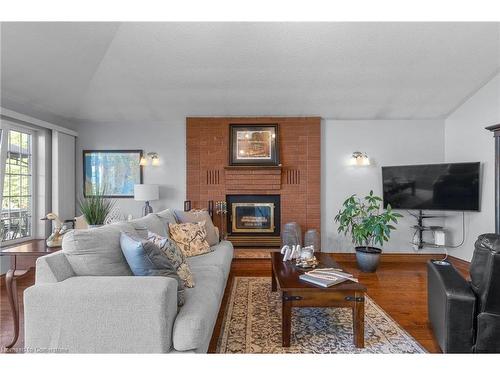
[[360, 158], [150, 156]]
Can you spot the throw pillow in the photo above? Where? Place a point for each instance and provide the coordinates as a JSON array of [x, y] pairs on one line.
[[191, 238], [176, 257], [167, 216], [96, 251], [151, 223], [146, 259], [196, 216]]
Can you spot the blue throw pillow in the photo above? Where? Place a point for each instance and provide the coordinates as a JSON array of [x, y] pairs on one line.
[[146, 259]]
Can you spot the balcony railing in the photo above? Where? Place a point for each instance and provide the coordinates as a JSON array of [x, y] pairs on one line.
[[15, 224]]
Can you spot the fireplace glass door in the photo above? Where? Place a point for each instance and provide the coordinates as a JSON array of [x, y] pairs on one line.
[[252, 217]]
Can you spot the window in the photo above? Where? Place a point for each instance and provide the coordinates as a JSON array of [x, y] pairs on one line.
[[16, 217]]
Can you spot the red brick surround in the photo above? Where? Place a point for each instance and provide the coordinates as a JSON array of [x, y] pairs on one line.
[[297, 180]]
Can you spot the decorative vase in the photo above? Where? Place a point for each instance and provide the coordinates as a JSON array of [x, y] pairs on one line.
[[312, 238], [292, 234], [368, 258]]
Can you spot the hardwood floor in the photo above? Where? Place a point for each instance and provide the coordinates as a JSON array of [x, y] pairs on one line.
[[399, 287]]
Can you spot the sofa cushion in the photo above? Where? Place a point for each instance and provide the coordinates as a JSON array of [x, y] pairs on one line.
[[97, 251], [191, 238], [151, 223], [146, 259], [176, 257], [196, 216], [195, 320], [167, 217], [221, 257]]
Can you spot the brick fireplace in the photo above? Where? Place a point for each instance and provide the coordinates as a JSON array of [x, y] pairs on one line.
[[295, 182]]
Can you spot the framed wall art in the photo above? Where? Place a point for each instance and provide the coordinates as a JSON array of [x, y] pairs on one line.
[[254, 145], [113, 171]]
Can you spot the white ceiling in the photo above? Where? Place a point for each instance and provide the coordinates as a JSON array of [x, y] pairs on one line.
[[116, 72]]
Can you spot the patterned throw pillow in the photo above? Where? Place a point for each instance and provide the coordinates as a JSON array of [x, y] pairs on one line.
[[191, 238], [196, 216], [146, 259], [176, 257]]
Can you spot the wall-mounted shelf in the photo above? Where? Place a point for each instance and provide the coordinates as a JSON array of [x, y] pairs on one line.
[[421, 228]]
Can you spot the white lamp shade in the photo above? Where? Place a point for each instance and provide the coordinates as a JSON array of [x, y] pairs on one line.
[[146, 192]]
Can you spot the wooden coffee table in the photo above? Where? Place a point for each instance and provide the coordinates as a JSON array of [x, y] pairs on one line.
[[298, 293]]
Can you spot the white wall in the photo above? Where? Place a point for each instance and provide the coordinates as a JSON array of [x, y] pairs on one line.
[[467, 140], [168, 139], [387, 142]]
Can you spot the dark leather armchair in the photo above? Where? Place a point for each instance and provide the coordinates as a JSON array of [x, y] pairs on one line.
[[465, 315]]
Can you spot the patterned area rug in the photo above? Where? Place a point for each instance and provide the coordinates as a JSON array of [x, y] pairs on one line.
[[252, 324]]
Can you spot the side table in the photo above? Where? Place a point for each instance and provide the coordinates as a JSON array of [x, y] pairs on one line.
[[33, 248]]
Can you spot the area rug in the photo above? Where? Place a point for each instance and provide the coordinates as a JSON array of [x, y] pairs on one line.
[[252, 324]]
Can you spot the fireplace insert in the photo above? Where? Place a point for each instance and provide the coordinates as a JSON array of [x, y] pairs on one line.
[[253, 214]]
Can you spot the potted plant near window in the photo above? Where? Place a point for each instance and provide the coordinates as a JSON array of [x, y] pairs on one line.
[[368, 225], [96, 208]]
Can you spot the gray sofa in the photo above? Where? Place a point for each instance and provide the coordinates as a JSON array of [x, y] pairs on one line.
[[76, 308]]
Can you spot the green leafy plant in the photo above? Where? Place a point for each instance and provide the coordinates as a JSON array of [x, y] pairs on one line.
[[96, 207], [365, 221]]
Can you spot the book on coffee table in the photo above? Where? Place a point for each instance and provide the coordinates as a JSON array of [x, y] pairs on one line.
[[327, 276], [328, 272], [322, 281]]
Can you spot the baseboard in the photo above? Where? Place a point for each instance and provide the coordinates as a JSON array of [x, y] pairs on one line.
[[459, 262], [389, 257]]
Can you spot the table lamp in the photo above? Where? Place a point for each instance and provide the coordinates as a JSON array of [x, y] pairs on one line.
[[146, 193]]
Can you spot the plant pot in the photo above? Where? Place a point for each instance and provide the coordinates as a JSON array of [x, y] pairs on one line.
[[368, 258], [91, 226]]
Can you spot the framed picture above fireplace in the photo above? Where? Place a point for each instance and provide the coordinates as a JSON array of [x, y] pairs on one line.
[[254, 145]]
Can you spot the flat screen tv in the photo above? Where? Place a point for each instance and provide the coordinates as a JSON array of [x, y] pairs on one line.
[[445, 187]]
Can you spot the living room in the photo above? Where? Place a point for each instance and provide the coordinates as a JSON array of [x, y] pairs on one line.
[[250, 187]]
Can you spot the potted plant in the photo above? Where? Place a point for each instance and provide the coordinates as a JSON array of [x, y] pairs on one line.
[[368, 225], [96, 208]]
